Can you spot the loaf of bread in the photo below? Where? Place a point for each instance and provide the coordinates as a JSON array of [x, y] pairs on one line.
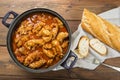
[[101, 29]]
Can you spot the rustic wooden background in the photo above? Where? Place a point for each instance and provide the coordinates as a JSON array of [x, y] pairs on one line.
[[71, 10]]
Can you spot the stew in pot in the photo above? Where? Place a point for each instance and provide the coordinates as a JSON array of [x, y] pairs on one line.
[[40, 40]]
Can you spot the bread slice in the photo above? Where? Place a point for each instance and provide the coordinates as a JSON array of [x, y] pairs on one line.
[[83, 46], [98, 46], [76, 51]]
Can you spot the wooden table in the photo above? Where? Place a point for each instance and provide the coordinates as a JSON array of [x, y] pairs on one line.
[[71, 10]]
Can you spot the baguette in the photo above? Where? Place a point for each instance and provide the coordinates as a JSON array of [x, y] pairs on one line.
[[101, 29], [83, 46], [98, 46]]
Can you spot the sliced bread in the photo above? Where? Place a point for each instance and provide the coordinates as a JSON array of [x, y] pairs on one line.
[[78, 54], [98, 46], [83, 46]]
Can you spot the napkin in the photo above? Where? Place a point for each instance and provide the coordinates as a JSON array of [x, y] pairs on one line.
[[113, 16]]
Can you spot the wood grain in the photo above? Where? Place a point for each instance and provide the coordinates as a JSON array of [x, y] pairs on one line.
[[71, 10]]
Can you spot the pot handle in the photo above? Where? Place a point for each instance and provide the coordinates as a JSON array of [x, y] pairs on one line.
[[7, 16], [65, 65]]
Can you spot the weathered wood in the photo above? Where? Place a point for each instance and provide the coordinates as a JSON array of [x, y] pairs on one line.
[[69, 9]]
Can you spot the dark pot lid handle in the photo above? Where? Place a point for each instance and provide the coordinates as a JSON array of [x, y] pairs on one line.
[[7, 16], [65, 63]]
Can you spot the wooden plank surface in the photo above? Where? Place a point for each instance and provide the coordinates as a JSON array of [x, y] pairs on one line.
[[71, 10]]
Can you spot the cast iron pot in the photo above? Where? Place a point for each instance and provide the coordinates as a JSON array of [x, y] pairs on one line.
[[13, 26]]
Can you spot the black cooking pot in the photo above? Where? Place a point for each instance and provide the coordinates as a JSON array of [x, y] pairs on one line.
[[13, 26]]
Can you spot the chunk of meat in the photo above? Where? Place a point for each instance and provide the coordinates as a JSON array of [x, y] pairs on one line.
[[54, 51], [23, 51], [38, 26], [46, 35], [61, 36], [59, 49], [21, 40], [40, 33], [49, 62], [64, 44], [43, 32], [32, 44], [56, 45], [48, 53], [21, 30], [37, 64], [60, 24], [55, 42], [31, 57], [48, 27], [54, 30], [47, 46], [29, 27], [47, 38], [21, 58], [19, 43], [25, 29]]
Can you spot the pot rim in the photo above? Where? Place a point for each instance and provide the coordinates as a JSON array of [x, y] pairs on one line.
[[11, 31]]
